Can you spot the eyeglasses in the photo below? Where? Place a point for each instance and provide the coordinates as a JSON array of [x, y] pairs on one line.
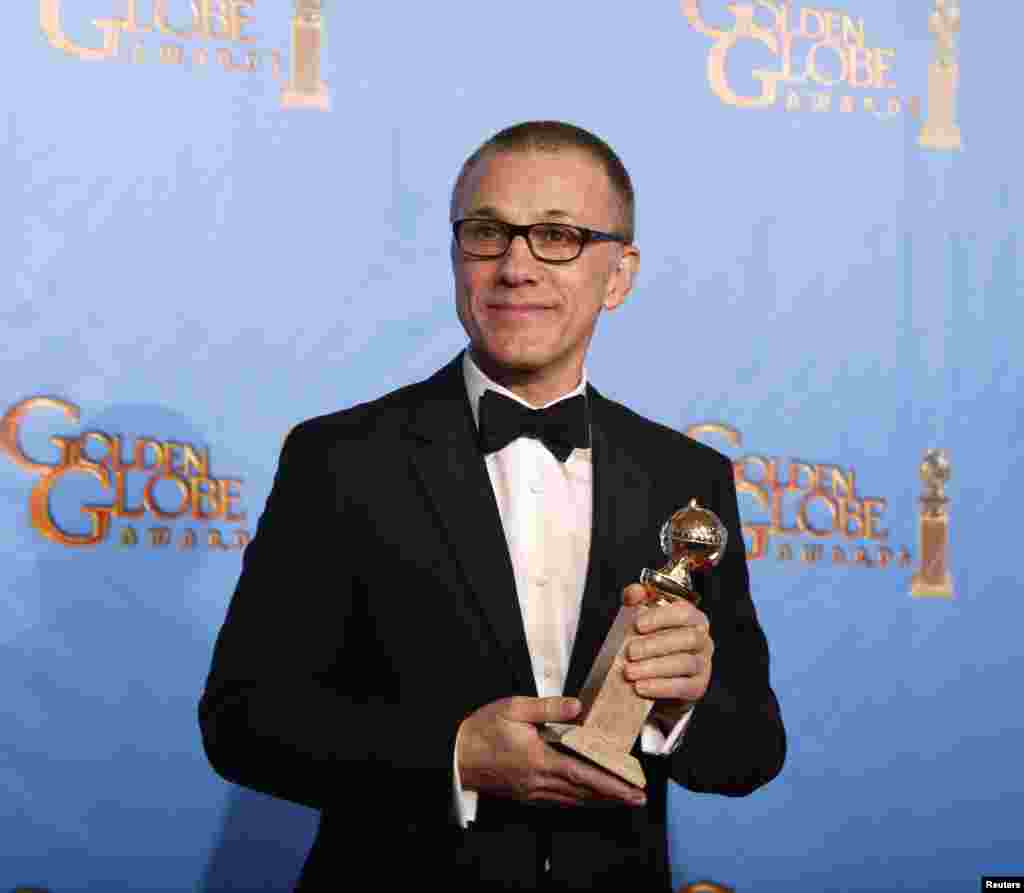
[[554, 243]]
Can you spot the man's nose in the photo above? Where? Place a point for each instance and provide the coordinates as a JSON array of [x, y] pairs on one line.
[[519, 257]]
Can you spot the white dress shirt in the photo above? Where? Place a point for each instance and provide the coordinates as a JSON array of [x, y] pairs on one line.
[[545, 508]]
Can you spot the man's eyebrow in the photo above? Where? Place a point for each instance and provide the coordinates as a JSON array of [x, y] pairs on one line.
[[493, 213], [555, 212], [485, 211]]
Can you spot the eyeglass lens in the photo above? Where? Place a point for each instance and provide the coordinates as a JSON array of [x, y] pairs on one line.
[[550, 241]]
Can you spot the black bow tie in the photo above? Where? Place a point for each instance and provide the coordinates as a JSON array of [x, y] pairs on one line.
[[560, 427]]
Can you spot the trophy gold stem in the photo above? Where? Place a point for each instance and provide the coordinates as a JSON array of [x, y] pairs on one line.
[[669, 584]]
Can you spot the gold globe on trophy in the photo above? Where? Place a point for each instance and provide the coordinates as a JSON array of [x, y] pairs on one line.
[[694, 539], [613, 714]]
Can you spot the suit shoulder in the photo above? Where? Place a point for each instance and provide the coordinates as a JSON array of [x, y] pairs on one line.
[[657, 436], [369, 420]]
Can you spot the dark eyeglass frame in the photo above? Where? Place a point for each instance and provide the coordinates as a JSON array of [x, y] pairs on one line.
[[513, 229]]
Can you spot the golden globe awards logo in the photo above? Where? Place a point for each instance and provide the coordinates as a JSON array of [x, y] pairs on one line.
[[176, 486], [825, 60], [814, 513], [198, 35]]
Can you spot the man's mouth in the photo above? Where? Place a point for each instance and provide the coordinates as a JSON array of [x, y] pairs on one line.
[[519, 308]]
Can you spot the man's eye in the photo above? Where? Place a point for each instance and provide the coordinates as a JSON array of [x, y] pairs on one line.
[[554, 235], [487, 231]]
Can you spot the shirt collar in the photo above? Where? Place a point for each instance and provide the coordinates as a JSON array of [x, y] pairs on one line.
[[477, 382]]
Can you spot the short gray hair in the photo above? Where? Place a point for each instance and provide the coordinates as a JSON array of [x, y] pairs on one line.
[[552, 136]]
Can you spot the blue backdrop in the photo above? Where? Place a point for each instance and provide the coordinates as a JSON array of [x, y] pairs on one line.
[[220, 224]]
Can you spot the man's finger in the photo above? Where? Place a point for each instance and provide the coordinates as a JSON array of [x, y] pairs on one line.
[[540, 710], [603, 784], [670, 667], [555, 799], [680, 613], [688, 639], [681, 688], [635, 594], [555, 787]]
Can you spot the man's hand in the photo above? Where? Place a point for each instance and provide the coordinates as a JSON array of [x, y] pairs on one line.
[[501, 753], [670, 661]]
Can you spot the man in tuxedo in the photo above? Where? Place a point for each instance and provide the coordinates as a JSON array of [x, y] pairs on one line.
[[436, 570]]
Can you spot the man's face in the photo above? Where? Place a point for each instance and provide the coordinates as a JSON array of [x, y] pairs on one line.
[[524, 316]]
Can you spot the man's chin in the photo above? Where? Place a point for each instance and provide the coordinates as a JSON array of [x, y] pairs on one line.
[[518, 362]]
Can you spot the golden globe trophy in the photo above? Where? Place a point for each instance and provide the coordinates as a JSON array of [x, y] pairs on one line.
[[933, 579], [940, 130], [304, 88], [613, 713]]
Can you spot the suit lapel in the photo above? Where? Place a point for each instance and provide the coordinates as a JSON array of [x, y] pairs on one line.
[[621, 507], [451, 466]]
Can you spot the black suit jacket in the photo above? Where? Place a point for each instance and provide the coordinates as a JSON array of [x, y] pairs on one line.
[[377, 608]]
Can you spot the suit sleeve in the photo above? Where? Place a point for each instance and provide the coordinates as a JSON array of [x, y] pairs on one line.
[[288, 708], [735, 742]]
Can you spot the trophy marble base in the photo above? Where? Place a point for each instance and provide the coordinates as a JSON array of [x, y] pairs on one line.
[[922, 588], [927, 589], [318, 98], [594, 747], [613, 713], [945, 139]]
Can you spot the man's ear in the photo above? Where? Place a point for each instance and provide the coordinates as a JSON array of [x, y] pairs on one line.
[[620, 283]]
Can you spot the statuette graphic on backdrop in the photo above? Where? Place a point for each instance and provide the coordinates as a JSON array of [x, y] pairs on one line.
[[183, 34], [933, 579], [940, 130]]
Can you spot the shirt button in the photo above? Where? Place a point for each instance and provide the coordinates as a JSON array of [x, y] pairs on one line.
[[536, 487]]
